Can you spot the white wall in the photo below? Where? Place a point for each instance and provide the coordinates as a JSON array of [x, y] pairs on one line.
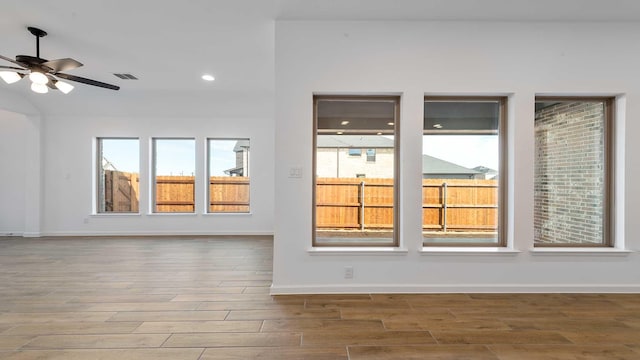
[[412, 59], [69, 171], [12, 172], [20, 167]]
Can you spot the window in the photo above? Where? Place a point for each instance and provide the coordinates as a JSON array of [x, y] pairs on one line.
[[350, 210], [228, 175], [118, 175], [573, 171], [174, 175], [355, 152], [371, 155], [463, 175]]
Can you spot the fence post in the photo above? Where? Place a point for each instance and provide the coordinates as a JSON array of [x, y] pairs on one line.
[[105, 175], [362, 206], [444, 207]]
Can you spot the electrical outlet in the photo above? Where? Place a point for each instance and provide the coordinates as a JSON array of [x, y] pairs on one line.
[[295, 172], [348, 272]]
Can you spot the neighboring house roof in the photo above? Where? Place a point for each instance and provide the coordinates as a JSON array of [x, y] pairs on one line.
[[241, 145], [108, 165], [485, 170], [354, 141], [438, 166], [234, 170]]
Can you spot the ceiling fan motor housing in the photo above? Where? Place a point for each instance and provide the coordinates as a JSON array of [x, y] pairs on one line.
[[30, 60]]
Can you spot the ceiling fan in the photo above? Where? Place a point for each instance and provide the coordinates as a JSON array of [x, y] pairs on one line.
[[45, 74]]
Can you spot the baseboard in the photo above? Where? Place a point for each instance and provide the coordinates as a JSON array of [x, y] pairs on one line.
[[157, 233], [451, 289], [31, 234], [11, 233]]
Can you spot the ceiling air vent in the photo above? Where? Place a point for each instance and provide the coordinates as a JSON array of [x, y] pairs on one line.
[[126, 76]]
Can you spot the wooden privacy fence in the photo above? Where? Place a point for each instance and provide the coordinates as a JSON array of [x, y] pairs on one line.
[[120, 191], [229, 194], [342, 203], [457, 204], [448, 204], [175, 193]]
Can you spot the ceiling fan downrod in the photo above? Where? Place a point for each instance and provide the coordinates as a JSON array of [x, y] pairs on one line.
[[38, 33]]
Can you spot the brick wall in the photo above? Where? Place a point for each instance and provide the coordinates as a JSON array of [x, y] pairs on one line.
[[569, 175]]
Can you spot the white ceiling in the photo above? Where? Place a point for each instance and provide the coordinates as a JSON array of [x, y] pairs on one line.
[[446, 10], [169, 44]]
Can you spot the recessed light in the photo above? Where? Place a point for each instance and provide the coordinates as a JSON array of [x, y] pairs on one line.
[[208, 77], [437, 126], [390, 123], [339, 133], [379, 133], [344, 122]]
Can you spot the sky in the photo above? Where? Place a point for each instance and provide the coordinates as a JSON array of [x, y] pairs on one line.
[[123, 154], [466, 150], [221, 156], [173, 156]]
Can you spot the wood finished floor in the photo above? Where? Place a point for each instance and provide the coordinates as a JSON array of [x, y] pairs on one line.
[[208, 298]]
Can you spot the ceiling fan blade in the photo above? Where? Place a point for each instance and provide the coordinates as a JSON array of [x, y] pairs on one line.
[[11, 68], [13, 61], [62, 64], [87, 81]]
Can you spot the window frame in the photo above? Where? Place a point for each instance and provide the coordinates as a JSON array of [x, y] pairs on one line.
[[99, 174], [396, 99], [208, 172], [608, 235], [153, 184], [503, 139]]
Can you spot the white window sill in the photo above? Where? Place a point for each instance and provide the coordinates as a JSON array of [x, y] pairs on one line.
[[172, 214], [359, 250], [467, 250], [119, 214], [228, 214], [579, 251]]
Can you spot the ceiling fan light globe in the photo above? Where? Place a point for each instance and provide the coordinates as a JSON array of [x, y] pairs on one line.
[[63, 86], [39, 88], [38, 78], [10, 76]]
